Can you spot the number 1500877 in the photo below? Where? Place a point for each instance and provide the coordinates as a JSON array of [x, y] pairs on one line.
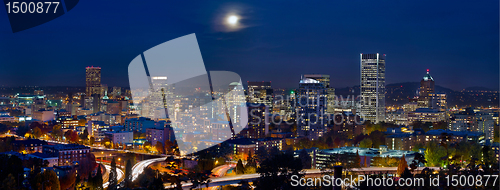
[[471, 180], [31, 7]]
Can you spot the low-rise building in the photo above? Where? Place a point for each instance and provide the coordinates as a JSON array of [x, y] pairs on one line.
[[247, 145], [160, 134], [406, 141], [29, 146], [426, 115], [138, 124], [97, 129], [51, 159], [268, 143], [44, 115], [5, 116], [120, 137], [68, 122], [242, 146], [67, 153], [367, 155], [220, 131], [397, 117]]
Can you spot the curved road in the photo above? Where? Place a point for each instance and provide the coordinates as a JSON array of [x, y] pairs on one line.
[[138, 168], [105, 178], [220, 171]]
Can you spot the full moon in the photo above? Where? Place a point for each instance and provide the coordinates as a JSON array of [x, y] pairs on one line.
[[233, 20]]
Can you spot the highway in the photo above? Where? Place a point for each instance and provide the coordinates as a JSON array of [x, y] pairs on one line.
[[138, 168], [220, 171], [120, 175]]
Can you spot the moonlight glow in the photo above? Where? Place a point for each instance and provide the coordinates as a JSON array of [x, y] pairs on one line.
[[232, 20]]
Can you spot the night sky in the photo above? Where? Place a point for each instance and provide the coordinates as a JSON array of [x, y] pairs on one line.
[[278, 40]]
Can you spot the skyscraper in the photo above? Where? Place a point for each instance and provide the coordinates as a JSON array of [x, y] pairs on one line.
[[260, 93], [312, 105], [330, 92], [373, 87], [161, 97], [93, 81], [426, 88]]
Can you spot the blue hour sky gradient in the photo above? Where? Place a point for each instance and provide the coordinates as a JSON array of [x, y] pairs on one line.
[[276, 40]]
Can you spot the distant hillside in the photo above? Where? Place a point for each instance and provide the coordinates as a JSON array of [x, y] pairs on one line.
[[399, 93], [46, 90], [478, 88]]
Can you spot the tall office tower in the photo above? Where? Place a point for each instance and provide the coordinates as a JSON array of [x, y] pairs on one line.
[[260, 93], [233, 103], [373, 87], [426, 88], [325, 79], [161, 97], [93, 81], [311, 107]]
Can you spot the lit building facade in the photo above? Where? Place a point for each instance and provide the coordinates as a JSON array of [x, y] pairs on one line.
[[426, 88], [160, 134], [258, 121], [330, 92], [67, 153], [311, 107], [426, 115], [139, 124], [44, 115], [407, 141], [438, 101], [260, 93], [120, 137], [373, 87], [93, 81]]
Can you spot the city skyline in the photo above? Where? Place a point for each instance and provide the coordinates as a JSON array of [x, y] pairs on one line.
[[266, 45], [249, 95]]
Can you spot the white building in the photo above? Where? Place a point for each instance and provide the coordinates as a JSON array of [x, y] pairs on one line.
[[373, 87], [121, 137], [44, 115], [97, 129]]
